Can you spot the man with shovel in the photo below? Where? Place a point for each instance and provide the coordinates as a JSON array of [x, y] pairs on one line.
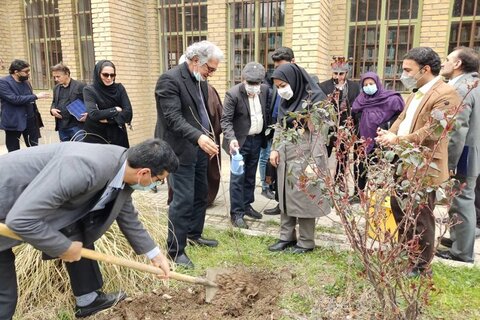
[[62, 197]]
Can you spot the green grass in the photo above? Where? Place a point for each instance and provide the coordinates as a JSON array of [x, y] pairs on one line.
[[330, 274]]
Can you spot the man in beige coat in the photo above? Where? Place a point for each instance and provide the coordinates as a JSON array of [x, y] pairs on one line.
[[421, 67]]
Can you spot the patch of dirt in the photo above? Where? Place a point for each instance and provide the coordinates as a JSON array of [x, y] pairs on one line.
[[242, 294]]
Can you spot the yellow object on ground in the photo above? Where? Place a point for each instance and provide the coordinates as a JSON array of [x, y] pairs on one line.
[[381, 222]]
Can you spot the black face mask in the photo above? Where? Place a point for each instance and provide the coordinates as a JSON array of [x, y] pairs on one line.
[[23, 78]]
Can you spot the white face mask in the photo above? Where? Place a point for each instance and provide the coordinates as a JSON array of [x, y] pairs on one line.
[[409, 81], [252, 90], [285, 92]]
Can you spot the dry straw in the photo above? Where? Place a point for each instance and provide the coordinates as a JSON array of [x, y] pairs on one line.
[[44, 287]]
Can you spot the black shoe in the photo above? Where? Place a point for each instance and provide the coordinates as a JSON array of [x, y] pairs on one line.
[[419, 272], [204, 242], [102, 302], [272, 212], [281, 245], [239, 223], [249, 211], [446, 242], [183, 261], [447, 255], [267, 193], [298, 250]]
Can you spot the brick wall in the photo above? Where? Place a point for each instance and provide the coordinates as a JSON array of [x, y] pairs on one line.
[[434, 29]]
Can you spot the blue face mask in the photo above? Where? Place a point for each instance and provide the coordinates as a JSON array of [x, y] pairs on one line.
[[139, 187], [370, 89]]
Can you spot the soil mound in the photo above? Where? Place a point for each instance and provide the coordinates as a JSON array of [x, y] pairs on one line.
[[242, 294]]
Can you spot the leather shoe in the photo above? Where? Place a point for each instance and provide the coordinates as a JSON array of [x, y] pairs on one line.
[[184, 261], [102, 302], [204, 242], [418, 271], [272, 212], [446, 242], [281, 245], [267, 193], [249, 211], [447, 255], [239, 223], [299, 250]]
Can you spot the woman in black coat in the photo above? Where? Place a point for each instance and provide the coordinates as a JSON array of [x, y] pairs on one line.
[[108, 107]]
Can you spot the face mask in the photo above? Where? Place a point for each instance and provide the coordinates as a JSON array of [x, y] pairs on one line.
[[370, 89], [140, 187], [252, 89], [22, 78], [409, 81], [285, 92]]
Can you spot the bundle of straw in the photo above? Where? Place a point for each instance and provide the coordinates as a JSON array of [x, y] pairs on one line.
[[44, 287]]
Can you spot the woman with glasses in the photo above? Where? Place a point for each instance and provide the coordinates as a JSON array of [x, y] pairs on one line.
[[108, 107]]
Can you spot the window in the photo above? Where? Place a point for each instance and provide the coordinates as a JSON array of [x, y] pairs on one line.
[[380, 34], [465, 27], [256, 30], [85, 39], [182, 23], [43, 36]]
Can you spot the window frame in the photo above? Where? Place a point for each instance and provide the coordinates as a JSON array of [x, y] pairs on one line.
[[460, 20], [257, 30], [86, 76], [164, 34], [42, 40], [384, 25]]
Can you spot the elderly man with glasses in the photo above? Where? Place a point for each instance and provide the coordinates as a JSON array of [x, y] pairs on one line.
[[185, 123]]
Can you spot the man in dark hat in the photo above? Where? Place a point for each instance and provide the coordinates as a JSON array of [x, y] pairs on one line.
[[243, 123], [340, 90]]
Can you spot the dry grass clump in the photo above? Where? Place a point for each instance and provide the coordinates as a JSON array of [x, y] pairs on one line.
[[44, 286]]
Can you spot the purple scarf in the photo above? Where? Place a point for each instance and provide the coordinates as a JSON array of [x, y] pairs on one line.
[[376, 109]]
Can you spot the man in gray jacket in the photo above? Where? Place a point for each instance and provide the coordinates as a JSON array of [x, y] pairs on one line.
[[62, 197], [243, 123], [461, 68]]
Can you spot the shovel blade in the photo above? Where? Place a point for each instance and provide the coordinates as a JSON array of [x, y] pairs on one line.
[[212, 276]]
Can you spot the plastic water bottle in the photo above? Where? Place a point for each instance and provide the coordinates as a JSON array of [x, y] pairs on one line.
[[236, 163]]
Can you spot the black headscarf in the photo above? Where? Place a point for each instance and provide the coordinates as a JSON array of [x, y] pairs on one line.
[[107, 93], [300, 82]]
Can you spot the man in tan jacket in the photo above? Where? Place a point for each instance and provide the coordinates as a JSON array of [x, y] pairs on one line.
[[415, 124]]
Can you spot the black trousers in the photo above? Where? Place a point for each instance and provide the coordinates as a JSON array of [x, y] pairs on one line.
[[186, 213], [30, 136], [423, 227], [85, 277]]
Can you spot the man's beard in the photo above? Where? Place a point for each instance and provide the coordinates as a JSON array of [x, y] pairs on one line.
[[22, 78]]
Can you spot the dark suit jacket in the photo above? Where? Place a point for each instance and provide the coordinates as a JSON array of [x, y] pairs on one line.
[[14, 104], [42, 195], [444, 98], [76, 92], [178, 120], [236, 120]]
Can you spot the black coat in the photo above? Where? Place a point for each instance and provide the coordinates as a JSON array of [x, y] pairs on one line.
[[178, 119], [68, 120]]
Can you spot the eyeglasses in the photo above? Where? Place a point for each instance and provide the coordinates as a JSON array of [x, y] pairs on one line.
[[210, 69], [339, 73], [24, 71], [108, 75]]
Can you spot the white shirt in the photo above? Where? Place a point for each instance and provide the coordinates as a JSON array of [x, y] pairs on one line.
[[406, 124], [256, 115], [114, 185], [454, 80]]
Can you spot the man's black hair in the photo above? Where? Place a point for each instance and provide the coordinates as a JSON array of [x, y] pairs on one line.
[[155, 154], [283, 53], [18, 65], [425, 56]]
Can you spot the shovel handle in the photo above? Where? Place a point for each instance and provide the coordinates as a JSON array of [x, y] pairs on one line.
[[98, 256]]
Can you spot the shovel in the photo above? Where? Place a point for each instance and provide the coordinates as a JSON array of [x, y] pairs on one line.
[[210, 286]]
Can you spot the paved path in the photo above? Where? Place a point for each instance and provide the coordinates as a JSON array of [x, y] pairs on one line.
[[329, 230]]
